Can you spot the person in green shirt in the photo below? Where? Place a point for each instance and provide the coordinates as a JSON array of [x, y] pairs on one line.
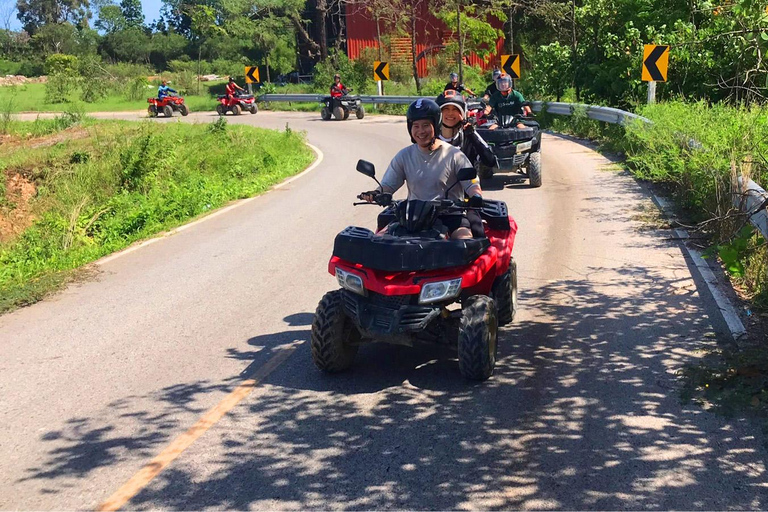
[[506, 101]]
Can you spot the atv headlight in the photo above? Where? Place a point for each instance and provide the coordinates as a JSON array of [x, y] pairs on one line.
[[350, 281], [525, 146], [441, 290]]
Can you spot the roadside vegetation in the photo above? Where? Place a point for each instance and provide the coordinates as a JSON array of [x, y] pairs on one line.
[[74, 190]]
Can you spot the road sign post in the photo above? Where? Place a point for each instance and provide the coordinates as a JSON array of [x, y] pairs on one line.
[[651, 92], [380, 73]]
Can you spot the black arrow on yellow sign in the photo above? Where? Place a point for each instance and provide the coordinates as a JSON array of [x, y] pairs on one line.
[[510, 64], [655, 63], [380, 70], [252, 74]]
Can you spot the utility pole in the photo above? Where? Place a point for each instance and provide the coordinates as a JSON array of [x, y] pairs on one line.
[[461, 44]]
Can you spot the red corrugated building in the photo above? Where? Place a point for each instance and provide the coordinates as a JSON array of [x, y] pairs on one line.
[[431, 37]]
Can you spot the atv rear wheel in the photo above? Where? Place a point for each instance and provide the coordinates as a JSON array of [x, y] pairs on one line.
[[152, 111], [338, 113], [360, 112], [325, 114], [504, 292], [253, 109], [184, 109], [236, 110], [478, 338], [333, 335], [167, 111], [221, 110], [534, 169]]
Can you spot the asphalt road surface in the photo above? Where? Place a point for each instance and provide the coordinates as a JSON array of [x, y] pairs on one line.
[[191, 355]]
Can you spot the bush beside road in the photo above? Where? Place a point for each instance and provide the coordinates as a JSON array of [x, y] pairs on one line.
[[75, 190]]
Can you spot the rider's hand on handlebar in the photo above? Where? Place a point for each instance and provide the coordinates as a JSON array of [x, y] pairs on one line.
[[369, 196], [476, 201], [469, 129]]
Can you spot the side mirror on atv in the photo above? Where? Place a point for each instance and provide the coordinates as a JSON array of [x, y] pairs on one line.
[[466, 174], [366, 168]]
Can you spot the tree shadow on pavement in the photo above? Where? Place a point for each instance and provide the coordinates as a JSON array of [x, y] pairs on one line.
[[582, 413]]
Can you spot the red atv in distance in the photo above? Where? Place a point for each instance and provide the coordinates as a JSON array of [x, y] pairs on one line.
[[167, 106], [236, 104], [402, 285]]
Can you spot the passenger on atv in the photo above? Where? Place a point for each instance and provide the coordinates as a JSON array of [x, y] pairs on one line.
[[491, 89], [429, 166], [507, 102], [454, 85], [456, 131]]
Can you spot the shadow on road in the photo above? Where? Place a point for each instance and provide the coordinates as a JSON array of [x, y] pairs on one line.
[[582, 413]]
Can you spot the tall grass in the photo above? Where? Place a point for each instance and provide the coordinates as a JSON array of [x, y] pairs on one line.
[[128, 181]]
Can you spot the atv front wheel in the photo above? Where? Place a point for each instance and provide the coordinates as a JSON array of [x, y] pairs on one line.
[[534, 169], [346, 114], [333, 335], [221, 110], [184, 109], [338, 113], [152, 111], [360, 112], [167, 111], [236, 110], [325, 114], [253, 109], [478, 338], [504, 292]]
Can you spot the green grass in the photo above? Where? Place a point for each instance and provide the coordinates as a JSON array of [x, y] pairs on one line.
[[31, 98], [120, 182]]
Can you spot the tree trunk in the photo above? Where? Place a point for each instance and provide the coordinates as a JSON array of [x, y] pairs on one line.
[[413, 49], [511, 30], [268, 79], [378, 36], [320, 18], [461, 42], [573, 49], [199, 55], [301, 32]]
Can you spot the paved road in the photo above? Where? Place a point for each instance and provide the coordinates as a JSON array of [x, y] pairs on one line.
[[582, 413]]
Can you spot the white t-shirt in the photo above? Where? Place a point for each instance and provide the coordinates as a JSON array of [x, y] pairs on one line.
[[428, 174]]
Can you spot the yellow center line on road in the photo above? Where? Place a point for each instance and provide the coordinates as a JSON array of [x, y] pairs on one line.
[[156, 466]]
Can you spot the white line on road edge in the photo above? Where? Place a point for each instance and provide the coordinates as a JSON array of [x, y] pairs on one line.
[[213, 214], [727, 311]]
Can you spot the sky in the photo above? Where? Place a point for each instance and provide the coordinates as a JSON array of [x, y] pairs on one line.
[[151, 10]]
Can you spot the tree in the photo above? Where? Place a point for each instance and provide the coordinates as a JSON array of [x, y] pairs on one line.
[[203, 26], [33, 14], [131, 9], [110, 19]]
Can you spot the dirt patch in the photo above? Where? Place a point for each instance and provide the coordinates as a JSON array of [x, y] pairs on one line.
[[51, 140], [10, 80], [15, 208]]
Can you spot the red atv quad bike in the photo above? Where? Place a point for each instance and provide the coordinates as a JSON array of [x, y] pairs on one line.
[[167, 106], [409, 283], [236, 104]]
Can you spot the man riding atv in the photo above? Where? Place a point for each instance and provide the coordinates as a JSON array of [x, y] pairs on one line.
[[164, 90], [457, 132], [233, 90], [429, 166], [507, 101], [454, 85], [338, 90]]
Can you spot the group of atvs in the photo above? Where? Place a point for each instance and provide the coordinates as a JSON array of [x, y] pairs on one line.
[[409, 283], [171, 103]]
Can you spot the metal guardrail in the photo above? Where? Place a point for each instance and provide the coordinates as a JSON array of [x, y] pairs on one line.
[[752, 202]]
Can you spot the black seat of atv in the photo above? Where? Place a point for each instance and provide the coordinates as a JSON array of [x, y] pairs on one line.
[[396, 254], [507, 134]]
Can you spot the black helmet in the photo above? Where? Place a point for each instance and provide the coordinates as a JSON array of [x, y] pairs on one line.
[[451, 97], [424, 109], [416, 215], [231, 79], [454, 77]]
